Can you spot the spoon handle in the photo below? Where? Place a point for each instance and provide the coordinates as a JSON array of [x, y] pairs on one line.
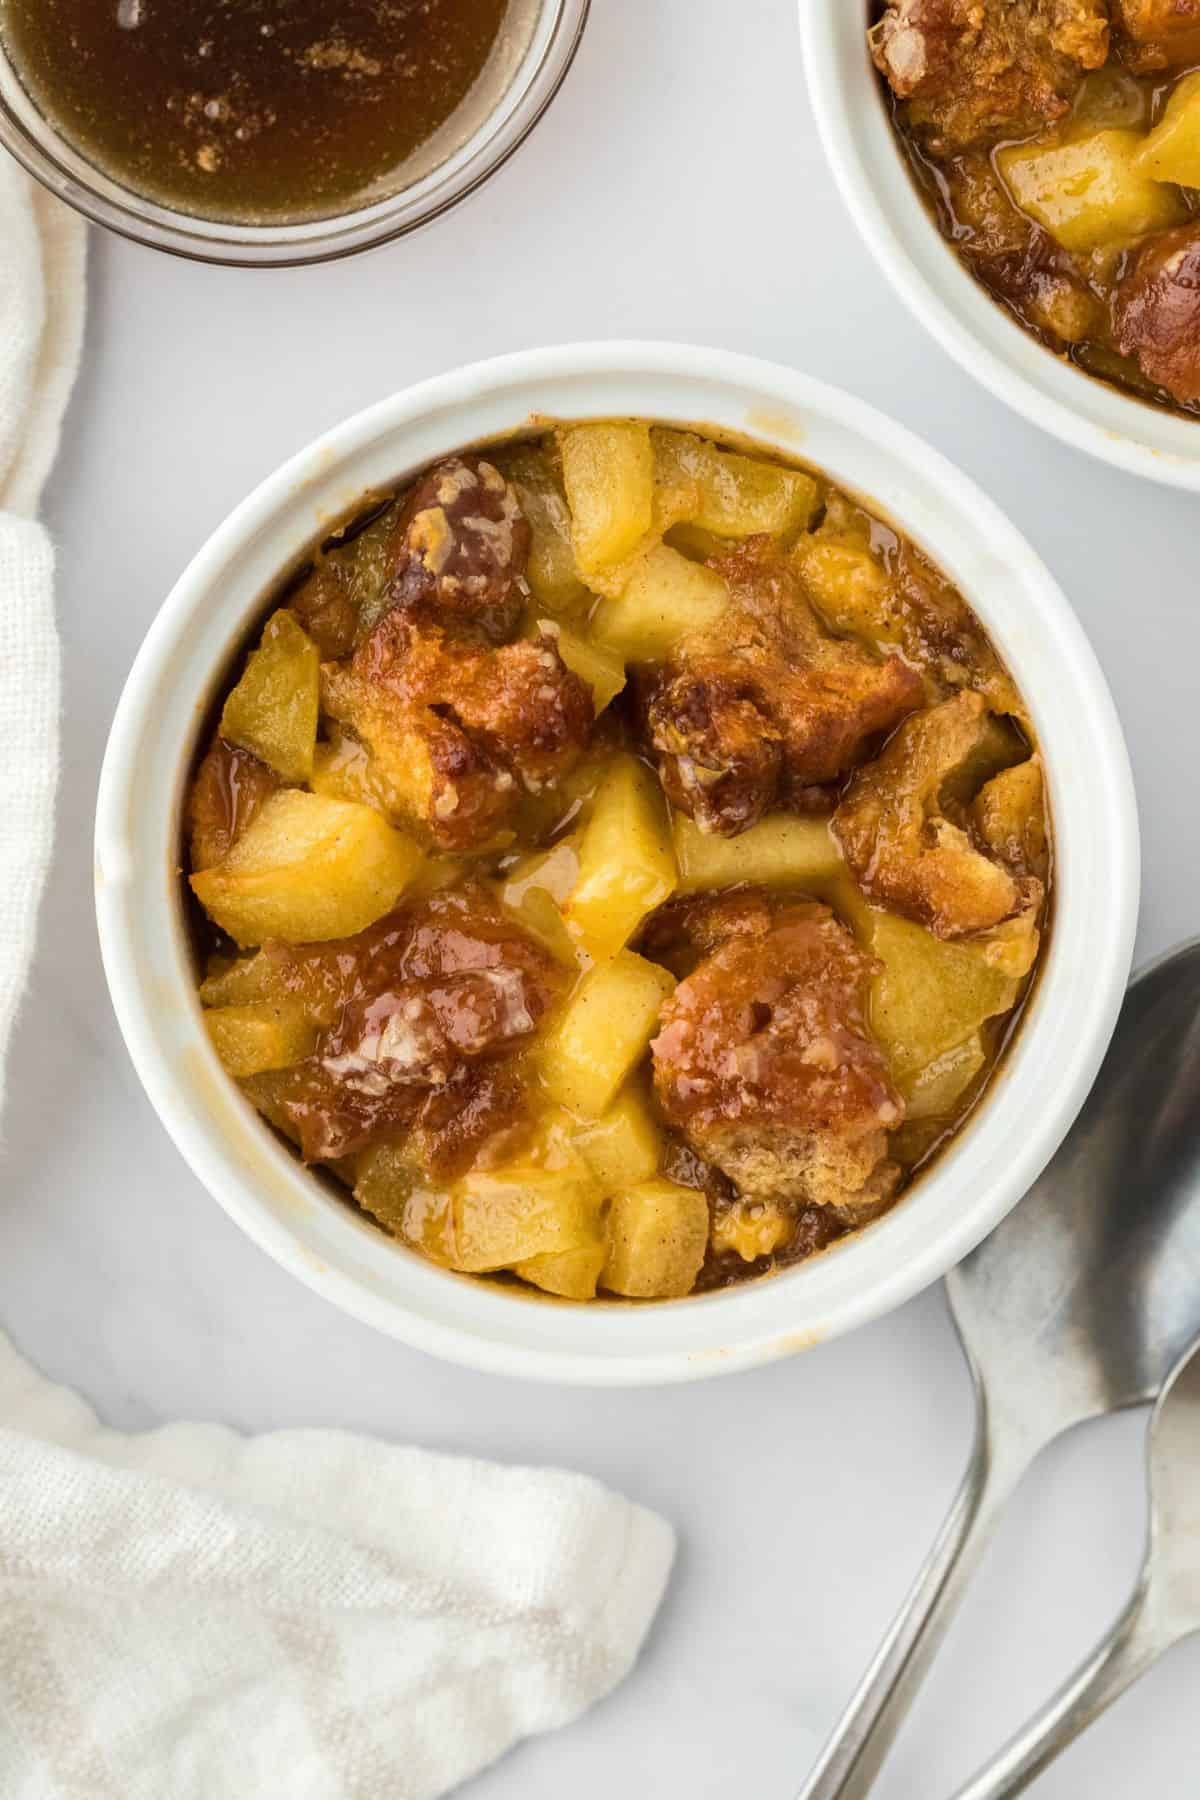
[[862, 1737], [1116, 1663]]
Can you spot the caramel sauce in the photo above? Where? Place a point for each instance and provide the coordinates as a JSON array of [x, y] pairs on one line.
[[258, 110]]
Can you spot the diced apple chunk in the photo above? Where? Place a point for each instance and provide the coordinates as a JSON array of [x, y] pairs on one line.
[[1172, 150], [343, 769], [938, 1089], [505, 1216], [536, 888], [552, 574], [626, 862], [251, 1039], [272, 712], [657, 1238], [780, 850], [623, 1147], [932, 994], [664, 597], [385, 1182], [608, 474], [726, 493], [572, 1274], [307, 868], [602, 669], [243, 982], [1089, 192], [603, 1033]]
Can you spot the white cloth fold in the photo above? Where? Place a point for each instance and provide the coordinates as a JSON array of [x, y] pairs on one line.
[[186, 1614], [41, 331], [189, 1615]]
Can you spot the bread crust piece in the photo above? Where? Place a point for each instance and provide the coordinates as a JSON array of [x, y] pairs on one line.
[[1156, 312], [902, 849], [766, 707], [766, 1063], [683, 931], [462, 545], [1020, 263], [459, 728], [1158, 34], [973, 71], [427, 1008]]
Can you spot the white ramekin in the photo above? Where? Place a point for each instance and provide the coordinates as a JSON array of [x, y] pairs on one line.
[[852, 118], [287, 1211]]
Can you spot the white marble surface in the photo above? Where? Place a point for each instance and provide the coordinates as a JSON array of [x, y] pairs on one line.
[[676, 190]]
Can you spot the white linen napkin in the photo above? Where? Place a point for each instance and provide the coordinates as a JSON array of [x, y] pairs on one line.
[[186, 1614], [41, 331]]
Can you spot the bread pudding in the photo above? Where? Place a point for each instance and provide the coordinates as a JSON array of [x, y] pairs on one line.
[[1058, 145], [618, 862]]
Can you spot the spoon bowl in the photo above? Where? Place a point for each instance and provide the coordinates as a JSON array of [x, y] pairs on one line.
[[1081, 1301]]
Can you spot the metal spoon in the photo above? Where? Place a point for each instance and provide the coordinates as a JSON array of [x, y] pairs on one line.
[[1164, 1608], [1079, 1303]]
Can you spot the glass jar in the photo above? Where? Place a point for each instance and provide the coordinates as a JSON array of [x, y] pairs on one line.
[[540, 40]]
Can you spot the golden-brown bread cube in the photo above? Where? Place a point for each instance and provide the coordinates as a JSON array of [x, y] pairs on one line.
[[608, 475], [903, 851], [227, 791], [1172, 150], [460, 549], [897, 599], [764, 709], [657, 1239], [457, 728], [571, 1274], [751, 1228], [1009, 814], [252, 1039], [782, 850], [272, 712], [626, 860], [1156, 311], [848, 585], [1159, 34], [307, 869], [1089, 191], [725, 492], [689, 928], [767, 1063], [976, 71], [553, 577], [603, 1033], [662, 598], [603, 670], [623, 1146]]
